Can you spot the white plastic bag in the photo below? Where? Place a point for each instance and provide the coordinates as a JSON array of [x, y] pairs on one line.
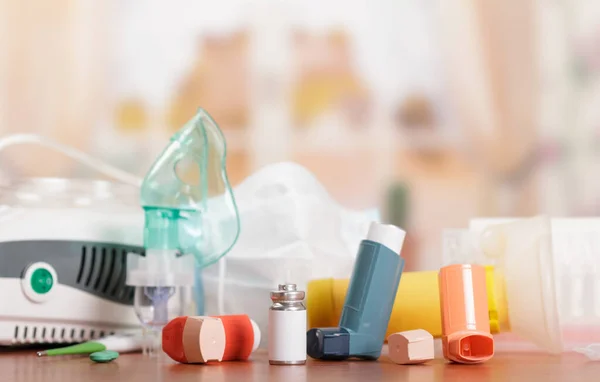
[[291, 231]]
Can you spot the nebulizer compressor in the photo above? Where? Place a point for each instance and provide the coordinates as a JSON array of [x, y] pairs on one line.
[[188, 225], [187, 219]]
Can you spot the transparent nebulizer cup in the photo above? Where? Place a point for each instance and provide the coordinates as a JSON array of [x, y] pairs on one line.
[[163, 285], [154, 315]]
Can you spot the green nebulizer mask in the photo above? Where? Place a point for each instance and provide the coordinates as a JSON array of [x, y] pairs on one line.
[[190, 217]]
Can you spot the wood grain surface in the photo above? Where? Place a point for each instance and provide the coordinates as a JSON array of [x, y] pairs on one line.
[[25, 366]]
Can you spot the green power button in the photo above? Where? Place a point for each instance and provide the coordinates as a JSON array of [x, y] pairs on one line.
[[41, 281]]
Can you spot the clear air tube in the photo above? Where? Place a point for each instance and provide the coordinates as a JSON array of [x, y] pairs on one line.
[[81, 157]]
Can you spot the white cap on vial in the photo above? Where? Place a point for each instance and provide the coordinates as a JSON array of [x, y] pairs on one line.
[[388, 235]]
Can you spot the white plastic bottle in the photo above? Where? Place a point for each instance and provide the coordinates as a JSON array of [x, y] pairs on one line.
[[287, 326]]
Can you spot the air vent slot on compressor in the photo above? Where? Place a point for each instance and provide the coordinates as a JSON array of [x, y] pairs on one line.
[[102, 270]]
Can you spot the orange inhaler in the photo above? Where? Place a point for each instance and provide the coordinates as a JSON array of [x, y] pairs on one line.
[[466, 336]]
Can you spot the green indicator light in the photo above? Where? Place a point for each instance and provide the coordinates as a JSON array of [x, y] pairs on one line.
[[41, 281]]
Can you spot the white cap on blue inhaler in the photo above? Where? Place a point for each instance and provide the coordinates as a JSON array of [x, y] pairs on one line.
[[388, 235]]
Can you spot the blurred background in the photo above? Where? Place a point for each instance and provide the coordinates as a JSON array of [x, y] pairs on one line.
[[433, 111]]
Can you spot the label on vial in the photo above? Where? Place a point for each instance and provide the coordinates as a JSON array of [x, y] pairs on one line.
[[287, 335]]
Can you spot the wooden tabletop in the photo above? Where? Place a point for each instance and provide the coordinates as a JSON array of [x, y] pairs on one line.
[[24, 366]]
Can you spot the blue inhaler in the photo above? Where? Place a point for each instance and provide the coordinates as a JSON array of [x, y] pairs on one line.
[[191, 221], [369, 300]]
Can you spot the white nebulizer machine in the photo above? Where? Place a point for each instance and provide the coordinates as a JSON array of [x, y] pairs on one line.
[[63, 255], [80, 259]]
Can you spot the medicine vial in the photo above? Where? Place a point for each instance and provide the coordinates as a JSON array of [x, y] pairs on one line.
[[287, 326]]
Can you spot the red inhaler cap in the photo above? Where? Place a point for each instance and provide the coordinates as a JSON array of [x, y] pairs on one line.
[[172, 339], [194, 339], [239, 337]]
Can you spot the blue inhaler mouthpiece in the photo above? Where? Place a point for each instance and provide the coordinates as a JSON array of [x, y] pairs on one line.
[[328, 343], [369, 300], [190, 217]]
